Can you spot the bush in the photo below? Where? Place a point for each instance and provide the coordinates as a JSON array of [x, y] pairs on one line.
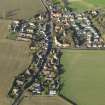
[[12, 35], [56, 1]]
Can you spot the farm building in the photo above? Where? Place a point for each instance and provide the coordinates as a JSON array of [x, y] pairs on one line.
[[20, 9]]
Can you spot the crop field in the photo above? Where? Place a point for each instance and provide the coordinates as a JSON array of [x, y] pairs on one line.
[[81, 5], [84, 76], [17, 9], [44, 100]]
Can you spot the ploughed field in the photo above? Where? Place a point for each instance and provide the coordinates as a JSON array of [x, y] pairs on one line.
[[84, 76], [17, 9], [45, 100], [81, 5]]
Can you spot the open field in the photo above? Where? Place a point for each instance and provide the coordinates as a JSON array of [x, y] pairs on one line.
[[14, 58], [81, 5], [44, 100], [84, 76], [20, 8]]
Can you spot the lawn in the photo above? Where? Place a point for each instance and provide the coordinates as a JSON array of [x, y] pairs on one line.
[[84, 76], [20, 8], [81, 5]]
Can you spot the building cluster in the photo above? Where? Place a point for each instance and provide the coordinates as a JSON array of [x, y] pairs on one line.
[[42, 77], [48, 80], [32, 29], [62, 32], [84, 33]]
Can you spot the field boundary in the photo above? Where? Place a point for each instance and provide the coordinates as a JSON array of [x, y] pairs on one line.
[[83, 49], [68, 100]]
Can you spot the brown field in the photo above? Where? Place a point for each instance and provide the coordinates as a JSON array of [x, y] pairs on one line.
[[20, 8], [44, 100]]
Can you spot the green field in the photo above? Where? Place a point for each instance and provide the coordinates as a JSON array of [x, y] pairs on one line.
[[81, 5], [84, 76]]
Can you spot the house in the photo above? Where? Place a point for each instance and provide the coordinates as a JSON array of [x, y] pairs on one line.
[[19, 83], [56, 15], [25, 35], [30, 30], [46, 72], [52, 92], [22, 39], [15, 92], [31, 24]]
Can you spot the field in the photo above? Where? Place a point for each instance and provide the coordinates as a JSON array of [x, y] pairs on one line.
[[84, 76], [44, 100], [81, 5], [20, 8]]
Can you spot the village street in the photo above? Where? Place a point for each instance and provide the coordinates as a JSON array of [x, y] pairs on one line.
[[42, 77]]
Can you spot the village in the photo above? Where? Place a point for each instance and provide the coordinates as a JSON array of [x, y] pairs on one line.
[[42, 77], [76, 30], [70, 29], [64, 28]]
